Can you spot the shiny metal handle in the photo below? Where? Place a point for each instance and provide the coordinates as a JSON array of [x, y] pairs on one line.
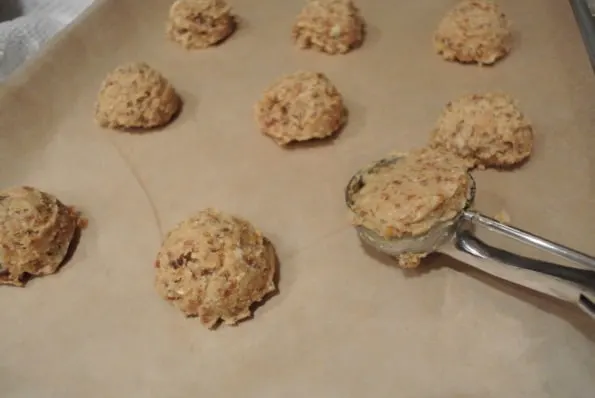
[[530, 239], [467, 243]]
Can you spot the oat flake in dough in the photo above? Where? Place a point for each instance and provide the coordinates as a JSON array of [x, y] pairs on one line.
[[198, 24], [474, 31], [36, 230], [329, 26], [135, 95], [300, 107], [215, 266], [488, 129]]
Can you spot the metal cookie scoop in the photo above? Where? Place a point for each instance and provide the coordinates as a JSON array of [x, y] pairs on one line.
[[455, 237]]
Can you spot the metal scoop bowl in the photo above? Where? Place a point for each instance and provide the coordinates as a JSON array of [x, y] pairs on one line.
[[455, 238]]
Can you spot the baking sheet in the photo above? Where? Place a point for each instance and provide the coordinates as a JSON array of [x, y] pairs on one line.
[[347, 322], [583, 12]]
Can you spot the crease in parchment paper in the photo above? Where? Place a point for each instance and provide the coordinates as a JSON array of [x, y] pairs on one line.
[[142, 186]]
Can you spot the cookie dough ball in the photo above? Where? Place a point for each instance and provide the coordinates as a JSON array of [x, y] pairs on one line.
[[410, 260], [488, 129], [136, 96], [474, 31], [329, 26], [35, 233], [215, 266], [411, 195], [300, 107], [197, 24]]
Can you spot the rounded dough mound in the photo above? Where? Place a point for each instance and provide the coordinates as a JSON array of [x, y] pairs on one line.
[[410, 196], [488, 129], [35, 233], [474, 31], [300, 107], [215, 266], [329, 26], [136, 96], [197, 24]]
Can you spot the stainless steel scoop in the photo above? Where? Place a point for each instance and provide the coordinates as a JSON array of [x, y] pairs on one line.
[[455, 238]]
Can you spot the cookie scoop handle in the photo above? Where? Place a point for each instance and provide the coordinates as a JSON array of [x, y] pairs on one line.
[[501, 263], [529, 239]]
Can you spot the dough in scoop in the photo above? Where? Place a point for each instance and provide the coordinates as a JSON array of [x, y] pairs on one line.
[[300, 107], [197, 24], [215, 266], [36, 230], [413, 194], [329, 26], [488, 129], [136, 96], [474, 31]]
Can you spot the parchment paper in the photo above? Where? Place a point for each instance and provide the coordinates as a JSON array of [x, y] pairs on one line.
[[347, 322]]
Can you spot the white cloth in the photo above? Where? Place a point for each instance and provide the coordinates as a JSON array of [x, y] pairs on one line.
[[26, 25]]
